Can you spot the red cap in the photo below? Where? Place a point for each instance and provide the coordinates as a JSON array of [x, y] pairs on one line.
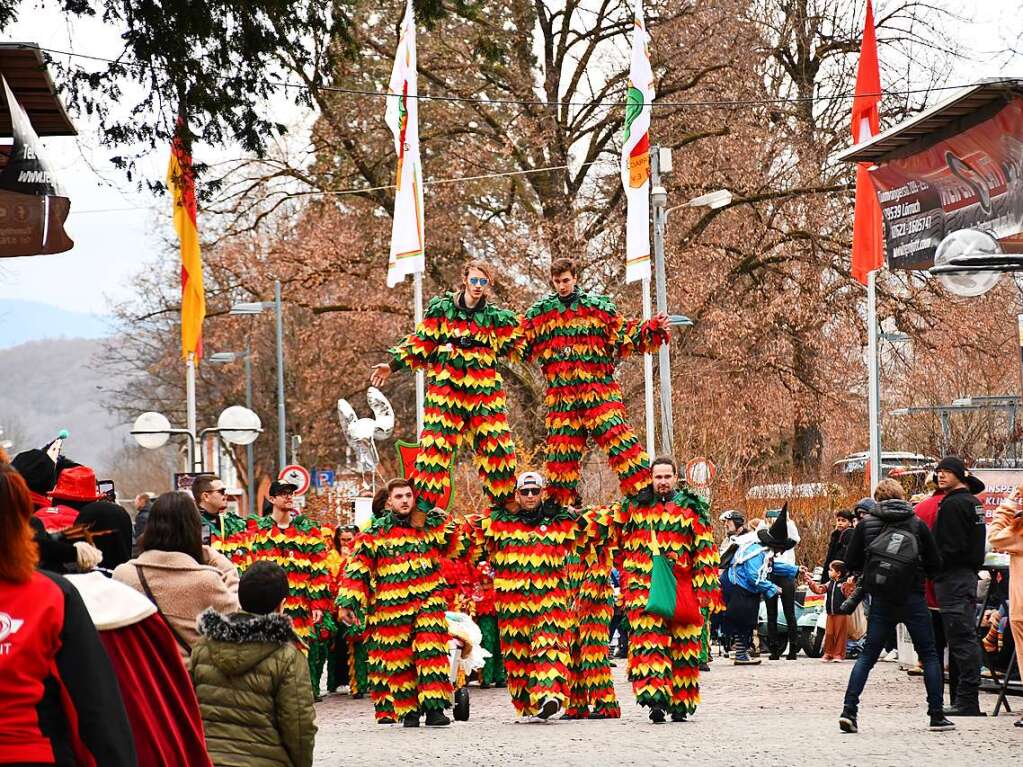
[[77, 483]]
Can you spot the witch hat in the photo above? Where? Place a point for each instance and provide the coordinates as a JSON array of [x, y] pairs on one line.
[[777, 535], [38, 467]]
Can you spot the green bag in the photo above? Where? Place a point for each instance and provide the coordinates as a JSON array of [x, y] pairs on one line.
[[672, 596]]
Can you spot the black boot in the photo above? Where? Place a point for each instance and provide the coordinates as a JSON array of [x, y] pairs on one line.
[[657, 715], [847, 721], [678, 716], [411, 719], [435, 718], [939, 723]]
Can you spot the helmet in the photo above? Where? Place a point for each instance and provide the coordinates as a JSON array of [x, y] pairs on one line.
[[733, 516]]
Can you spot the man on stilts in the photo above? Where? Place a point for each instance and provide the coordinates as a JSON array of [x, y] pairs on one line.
[[392, 585], [664, 659], [458, 344]]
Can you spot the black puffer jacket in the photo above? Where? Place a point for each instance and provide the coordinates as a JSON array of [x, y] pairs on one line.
[[899, 513]]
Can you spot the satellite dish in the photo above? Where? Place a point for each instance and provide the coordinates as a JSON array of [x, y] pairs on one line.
[[963, 244]]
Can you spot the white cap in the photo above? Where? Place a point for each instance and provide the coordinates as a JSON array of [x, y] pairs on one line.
[[529, 479]]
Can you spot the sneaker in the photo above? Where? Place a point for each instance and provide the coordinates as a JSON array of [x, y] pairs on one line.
[[435, 718], [679, 716], [657, 715], [940, 723], [746, 661], [890, 657], [549, 707], [411, 719], [847, 721]]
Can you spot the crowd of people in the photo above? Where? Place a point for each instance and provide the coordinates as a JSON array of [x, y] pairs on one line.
[[199, 632]]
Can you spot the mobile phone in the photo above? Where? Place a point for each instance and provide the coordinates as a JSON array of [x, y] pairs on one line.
[[106, 489]]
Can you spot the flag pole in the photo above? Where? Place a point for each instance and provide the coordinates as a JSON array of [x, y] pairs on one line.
[[417, 290], [874, 381], [195, 453], [648, 375]]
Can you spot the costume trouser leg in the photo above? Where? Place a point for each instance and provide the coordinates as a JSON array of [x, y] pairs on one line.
[[705, 636], [319, 649], [493, 668], [337, 663], [664, 663], [593, 686], [536, 654], [566, 443], [608, 423], [358, 666], [495, 451], [442, 431]]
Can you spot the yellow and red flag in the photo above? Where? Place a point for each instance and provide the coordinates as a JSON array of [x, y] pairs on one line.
[[181, 183], [867, 254]]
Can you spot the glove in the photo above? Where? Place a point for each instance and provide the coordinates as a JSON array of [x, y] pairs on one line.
[[88, 555]]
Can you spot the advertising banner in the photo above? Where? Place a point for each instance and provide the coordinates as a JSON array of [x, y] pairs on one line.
[[998, 485], [971, 180]]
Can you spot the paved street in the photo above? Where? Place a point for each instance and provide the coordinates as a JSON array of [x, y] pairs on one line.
[[779, 713]]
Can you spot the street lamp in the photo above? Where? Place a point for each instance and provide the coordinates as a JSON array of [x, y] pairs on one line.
[[713, 200], [226, 358], [257, 307], [237, 425]]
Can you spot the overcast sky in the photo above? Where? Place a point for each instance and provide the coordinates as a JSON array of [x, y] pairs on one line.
[[117, 230]]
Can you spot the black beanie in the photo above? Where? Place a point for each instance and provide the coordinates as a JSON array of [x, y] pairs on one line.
[[37, 469]]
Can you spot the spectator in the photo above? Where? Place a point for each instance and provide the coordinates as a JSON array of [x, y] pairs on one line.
[[59, 699], [786, 592], [927, 510], [143, 504], [839, 541], [960, 534], [224, 530], [836, 631], [178, 574], [1006, 534], [896, 599], [252, 680], [158, 694], [110, 525]]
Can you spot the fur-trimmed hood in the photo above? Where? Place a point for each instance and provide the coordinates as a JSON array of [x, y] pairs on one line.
[[242, 640]]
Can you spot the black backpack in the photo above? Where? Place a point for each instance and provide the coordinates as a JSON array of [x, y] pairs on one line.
[[893, 561]]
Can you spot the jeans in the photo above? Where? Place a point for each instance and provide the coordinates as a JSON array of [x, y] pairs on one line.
[[884, 616], [788, 603], [956, 591]]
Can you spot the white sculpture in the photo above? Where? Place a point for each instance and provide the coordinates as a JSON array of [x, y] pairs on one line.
[[362, 433]]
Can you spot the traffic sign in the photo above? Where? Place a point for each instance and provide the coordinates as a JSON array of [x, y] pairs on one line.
[[323, 477], [700, 472], [296, 475]]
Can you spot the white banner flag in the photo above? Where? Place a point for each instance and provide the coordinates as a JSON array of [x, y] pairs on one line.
[[636, 155], [402, 116]]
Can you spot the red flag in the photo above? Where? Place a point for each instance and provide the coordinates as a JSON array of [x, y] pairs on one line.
[[867, 253], [181, 183]]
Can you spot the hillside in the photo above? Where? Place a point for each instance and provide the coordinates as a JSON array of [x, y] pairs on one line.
[[23, 321], [46, 386]]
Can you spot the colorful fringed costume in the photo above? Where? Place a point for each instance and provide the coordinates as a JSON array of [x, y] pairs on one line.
[[300, 550], [392, 582], [664, 664], [577, 341], [230, 535], [458, 347], [529, 552], [493, 672], [593, 692]]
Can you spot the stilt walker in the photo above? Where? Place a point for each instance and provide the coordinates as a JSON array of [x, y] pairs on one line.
[[664, 665], [392, 586]]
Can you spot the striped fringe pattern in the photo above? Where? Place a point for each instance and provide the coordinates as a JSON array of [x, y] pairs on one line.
[[458, 350], [577, 346], [392, 581], [493, 671], [236, 539], [664, 660]]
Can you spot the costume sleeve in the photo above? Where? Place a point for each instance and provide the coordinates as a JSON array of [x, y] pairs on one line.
[[354, 585], [634, 337], [295, 712], [508, 335], [1005, 533], [317, 571], [91, 684], [414, 351], [598, 527], [706, 560]]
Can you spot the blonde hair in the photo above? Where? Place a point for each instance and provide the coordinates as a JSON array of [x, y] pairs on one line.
[[481, 265], [889, 490]]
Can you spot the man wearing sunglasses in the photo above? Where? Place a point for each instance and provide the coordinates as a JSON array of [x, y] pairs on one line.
[[530, 548], [458, 344], [223, 530], [577, 338]]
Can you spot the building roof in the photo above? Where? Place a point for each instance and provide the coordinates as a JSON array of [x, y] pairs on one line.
[[944, 119], [23, 66]]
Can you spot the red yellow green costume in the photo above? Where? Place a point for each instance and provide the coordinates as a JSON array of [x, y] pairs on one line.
[[458, 347], [664, 659], [577, 341], [392, 582], [529, 553], [230, 535], [493, 671], [593, 694]]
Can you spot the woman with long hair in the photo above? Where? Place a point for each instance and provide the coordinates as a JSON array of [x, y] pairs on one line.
[[59, 699], [178, 574]]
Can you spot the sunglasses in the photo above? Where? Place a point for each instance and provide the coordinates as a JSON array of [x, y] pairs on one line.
[[530, 491], [481, 282]]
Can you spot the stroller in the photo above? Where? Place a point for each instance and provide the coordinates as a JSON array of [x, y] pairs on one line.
[[467, 655]]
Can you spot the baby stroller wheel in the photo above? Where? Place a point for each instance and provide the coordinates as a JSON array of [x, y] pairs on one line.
[[461, 711]]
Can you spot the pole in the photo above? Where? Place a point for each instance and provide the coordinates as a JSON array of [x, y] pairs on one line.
[[417, 290], [873, 384], [282, 452], [660, 282], [250, 461], [648, 377], [946, 431], [194, 451]]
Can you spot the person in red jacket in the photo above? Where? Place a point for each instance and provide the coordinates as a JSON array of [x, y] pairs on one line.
[[59, 699], [927, 510]]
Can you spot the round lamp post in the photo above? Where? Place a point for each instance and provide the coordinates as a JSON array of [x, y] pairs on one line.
[[237, 425]]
